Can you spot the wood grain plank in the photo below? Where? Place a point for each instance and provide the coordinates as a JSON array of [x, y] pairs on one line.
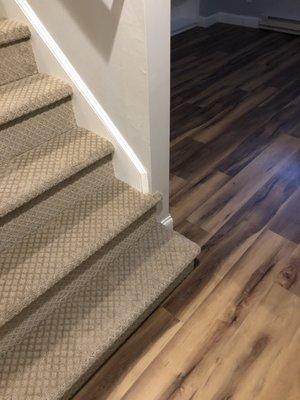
[[191, 199], [289, 273], [282, 380], [215, 129], [218, 316], [243, 364], [282, 122], [287, 221], [231, 330], [177, 185], [227, 245], [114, 379], [184, 151], [193, 232], [281, 155]]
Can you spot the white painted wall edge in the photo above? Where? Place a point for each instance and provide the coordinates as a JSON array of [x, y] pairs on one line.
[[227, 18], [137, 175]]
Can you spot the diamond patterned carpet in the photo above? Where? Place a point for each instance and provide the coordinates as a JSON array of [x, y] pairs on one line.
[[38, 169], [16, 62], [29, 94], [83, 260]]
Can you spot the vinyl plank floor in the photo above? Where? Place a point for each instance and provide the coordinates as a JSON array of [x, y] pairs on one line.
[[231, 330]]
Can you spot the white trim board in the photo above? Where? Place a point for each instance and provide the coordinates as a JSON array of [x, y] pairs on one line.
[[128, 166], [227, 18], [184, 28], [168, 222], [210, 20], [242, 20]]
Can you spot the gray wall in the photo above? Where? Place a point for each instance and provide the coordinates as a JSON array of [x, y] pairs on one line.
[[279, 8], [184, 13], [209, 7]]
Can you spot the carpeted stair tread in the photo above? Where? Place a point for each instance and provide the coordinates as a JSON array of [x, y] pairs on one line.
[[24, 177], [30, 131], [41, 258], [12, 31], [46, 207], [66, 348], [16, 62], [30, 94]]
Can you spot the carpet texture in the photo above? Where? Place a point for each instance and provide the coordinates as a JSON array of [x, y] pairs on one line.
[[30, 94], [12, 31], [39, 260], [31, 130], [16, 61], [83, 260], [33, 172]]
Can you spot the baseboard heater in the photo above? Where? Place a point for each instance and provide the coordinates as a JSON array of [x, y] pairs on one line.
[[280, 24]]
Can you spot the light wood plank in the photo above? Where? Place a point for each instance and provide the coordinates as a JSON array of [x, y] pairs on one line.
[[213, 319]]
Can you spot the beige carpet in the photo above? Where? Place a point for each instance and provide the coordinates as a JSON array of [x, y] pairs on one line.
[[83, 260], [36, 170]]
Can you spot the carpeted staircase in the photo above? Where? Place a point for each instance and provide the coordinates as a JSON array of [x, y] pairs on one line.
[[83, 260]]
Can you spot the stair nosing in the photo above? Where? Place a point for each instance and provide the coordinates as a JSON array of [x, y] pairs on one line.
[[14, 34]]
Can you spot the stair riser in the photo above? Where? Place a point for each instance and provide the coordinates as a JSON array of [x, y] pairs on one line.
[[30, 131], [16, 62], [14, 331]]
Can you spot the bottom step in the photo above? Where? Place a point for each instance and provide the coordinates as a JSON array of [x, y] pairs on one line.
[[58, 356]]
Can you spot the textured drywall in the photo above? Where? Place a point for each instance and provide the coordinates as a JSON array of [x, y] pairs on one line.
[[106, 45]]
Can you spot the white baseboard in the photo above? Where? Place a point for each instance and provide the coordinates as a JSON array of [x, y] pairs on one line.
[[227, 18], [184, 28], [210, 20], [242, 20], [128, 166], [168, 222]]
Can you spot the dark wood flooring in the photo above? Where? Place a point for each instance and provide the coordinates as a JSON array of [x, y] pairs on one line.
[[232, 329]]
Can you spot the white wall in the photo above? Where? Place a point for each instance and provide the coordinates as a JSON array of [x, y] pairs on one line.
[[255, 8], [113, 46], [106, 45], [184, 14]]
